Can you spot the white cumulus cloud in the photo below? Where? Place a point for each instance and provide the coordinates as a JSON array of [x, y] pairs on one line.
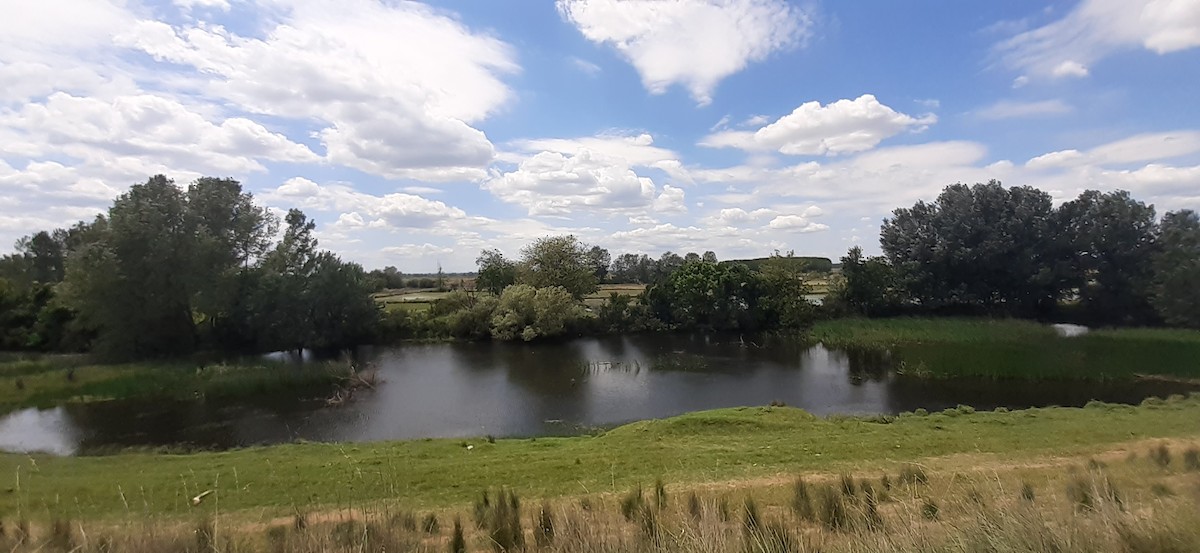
[[694, 43], [844, 126]]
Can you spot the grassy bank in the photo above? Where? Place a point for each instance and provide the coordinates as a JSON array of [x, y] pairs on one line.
[[48, 381], [700, 447], [953, 347]]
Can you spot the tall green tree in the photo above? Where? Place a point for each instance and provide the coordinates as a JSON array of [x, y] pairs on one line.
[[868, 285], [1112, 243], [558, 261], [133, 285], [494, 271], [784, 287], [232, 234], [599, 260], [984, 245], [721, 296], [1176, 288]]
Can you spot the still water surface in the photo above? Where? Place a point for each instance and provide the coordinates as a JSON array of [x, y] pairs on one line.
[[503, 389]]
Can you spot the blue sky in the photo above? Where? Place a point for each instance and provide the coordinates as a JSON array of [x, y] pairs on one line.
[[416, 134]]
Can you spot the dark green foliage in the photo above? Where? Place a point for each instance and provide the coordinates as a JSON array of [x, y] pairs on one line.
[[1112, 240], [167, 272], [981, 245], [558, 261], [1175, 292], [495, 272], [868, 287], [817, 265], [709, 296]]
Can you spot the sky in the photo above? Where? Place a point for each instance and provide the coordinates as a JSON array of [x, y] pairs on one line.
[[418, 134]]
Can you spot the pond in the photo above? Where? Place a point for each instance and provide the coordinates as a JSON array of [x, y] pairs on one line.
[[505, 389]]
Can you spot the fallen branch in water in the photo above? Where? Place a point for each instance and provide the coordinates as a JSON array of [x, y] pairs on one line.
[[367, 378]]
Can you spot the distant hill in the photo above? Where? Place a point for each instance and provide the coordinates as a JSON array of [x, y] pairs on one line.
[[806, 264]]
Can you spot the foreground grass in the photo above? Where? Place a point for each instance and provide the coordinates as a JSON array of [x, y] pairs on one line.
[[700, 447], [49, 381], [1137, 497], [955, 347]]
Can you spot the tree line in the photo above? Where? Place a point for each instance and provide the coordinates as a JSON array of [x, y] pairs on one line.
[[539, 295], [169, 271], [1102, 258]]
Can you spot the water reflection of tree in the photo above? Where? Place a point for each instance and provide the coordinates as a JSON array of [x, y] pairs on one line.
[[553, 374], [865, 364]]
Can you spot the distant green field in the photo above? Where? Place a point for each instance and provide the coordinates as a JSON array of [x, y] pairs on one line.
[[421, 300]]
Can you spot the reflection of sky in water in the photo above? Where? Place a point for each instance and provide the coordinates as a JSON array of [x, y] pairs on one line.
[[29, 430]]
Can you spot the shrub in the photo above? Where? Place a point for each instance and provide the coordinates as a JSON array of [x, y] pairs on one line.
[[831, 508], [802, 501], [1027, 492], [501, 520], [773, 538], [660, 494]]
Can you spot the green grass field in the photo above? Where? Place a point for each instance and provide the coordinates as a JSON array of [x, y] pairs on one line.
[[709, 446]]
